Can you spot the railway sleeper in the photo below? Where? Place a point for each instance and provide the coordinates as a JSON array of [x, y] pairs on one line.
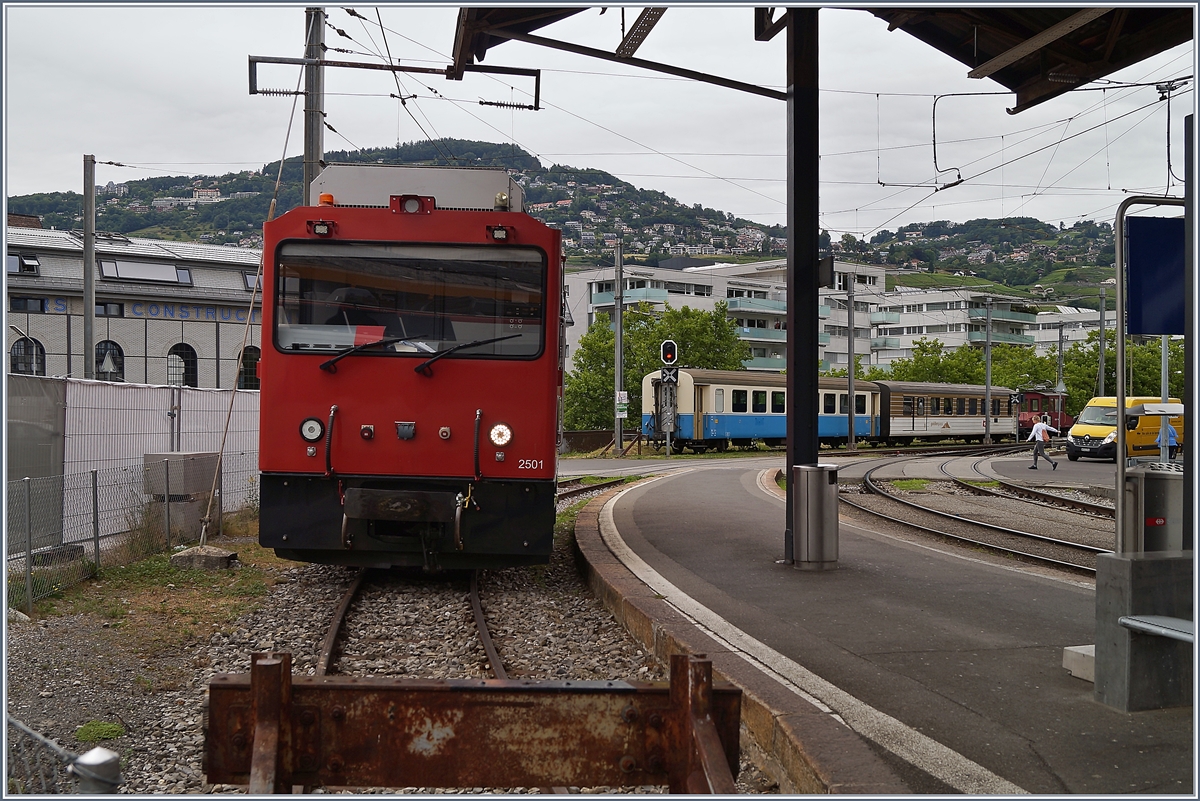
[[274, 732]]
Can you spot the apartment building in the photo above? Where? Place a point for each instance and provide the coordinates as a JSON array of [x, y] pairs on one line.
[[887, 325]]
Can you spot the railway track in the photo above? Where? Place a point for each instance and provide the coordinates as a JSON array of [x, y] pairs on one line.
[[495, 663], [1047, 498], [1025, 545], [575, 487]]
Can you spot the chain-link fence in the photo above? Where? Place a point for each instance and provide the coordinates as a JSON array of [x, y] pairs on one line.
[[35, 765], [63, 529]]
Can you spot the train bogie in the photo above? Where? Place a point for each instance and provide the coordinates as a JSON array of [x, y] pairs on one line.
[[411, 378]]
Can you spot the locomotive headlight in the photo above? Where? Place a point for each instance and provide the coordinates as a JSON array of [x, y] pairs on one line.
[[312, 429], [500, 435]]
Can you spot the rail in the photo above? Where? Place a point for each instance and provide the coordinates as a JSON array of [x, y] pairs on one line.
[[874, 488], [1038, 495]]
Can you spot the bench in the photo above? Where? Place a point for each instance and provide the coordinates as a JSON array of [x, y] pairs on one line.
[[1175, 628]]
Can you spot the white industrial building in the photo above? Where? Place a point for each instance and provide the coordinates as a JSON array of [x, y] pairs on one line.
[[166, 312]]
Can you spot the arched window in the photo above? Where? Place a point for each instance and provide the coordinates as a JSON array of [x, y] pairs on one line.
[[248, 374], [28, 357], [110, 361], [181, 366]]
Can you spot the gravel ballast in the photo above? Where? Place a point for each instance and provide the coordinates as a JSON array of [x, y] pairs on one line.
[[65, 671]]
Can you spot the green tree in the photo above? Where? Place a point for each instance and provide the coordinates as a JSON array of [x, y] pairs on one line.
[[705, 339]]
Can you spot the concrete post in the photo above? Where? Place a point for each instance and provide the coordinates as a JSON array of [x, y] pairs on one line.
[[97, 772]]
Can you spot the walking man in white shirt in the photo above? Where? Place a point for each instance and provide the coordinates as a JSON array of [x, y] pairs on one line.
[[1040, 436]]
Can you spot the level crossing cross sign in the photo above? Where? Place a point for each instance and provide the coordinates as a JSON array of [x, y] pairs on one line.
[[669, 375]]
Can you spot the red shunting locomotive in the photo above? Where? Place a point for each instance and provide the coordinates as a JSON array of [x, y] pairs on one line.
[[411, 372]]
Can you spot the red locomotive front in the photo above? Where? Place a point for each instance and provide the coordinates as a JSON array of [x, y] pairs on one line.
[[412, 379]]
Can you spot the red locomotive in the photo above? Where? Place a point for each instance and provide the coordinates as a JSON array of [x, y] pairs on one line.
[[411, 372], [1036, 404]]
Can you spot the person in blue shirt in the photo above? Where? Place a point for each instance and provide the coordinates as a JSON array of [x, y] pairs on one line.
[[1172, 441]]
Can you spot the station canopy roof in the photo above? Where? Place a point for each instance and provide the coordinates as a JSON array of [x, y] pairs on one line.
[[1036, 52]]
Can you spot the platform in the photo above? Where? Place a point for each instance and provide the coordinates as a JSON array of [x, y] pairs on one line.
[[946, 668]]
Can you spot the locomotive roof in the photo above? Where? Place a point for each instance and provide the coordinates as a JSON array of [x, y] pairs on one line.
[[753, 378], [921, 387]]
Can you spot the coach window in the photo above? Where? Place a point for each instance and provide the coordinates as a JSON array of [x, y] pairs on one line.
[[778, 403], [739, 400], [843, 403], [248, 372], [920, 407], [28, 357], [719, 403], [181, 366], [830, 403], [962, 406], [759, 398], [935, 406], [860, 403], [972, 406], [110, 361], [906, 408]]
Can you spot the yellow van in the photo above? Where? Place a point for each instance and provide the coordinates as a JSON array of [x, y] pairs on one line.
[[1094, 434]]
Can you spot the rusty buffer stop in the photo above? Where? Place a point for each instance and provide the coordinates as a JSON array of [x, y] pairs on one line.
[[274, 732]]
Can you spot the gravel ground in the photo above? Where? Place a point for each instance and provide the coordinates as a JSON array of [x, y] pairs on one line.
[[63, 672]]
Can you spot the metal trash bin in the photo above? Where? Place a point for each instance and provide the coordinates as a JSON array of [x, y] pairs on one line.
[[815, 516], [1154, 507]]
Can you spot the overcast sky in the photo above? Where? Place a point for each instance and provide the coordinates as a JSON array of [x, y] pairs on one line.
[[165, 88]]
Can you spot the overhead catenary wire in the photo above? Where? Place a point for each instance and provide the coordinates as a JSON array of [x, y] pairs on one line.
[[207, 519]]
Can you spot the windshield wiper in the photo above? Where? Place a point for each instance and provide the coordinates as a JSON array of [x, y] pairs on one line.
[[329, 365], [423, 367]]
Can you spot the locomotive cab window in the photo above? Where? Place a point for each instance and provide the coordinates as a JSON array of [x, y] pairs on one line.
[[739, 400], [330, 296]]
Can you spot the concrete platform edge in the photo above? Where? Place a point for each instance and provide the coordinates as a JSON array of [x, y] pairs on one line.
[[801, 747]]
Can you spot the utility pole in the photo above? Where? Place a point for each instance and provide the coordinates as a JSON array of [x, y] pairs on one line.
[[1103, 314], [314, 99], [89, 267], [850, 445], [618, 360], [1164, 452], [1060, 387], [987, 377]]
